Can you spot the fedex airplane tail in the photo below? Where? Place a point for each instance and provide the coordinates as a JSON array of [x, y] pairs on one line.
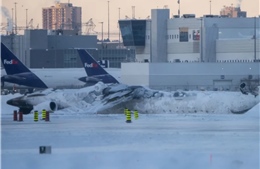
[[17, 72], [11, 63], [91, 67], [95, 71]]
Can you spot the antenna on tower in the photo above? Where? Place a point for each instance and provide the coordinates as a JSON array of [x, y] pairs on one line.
[[15, 17], [210, 7], [108, 19], [179, 10], [133, 12]]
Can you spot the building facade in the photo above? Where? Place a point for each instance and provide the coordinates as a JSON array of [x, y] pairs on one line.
[[191, 76], [206, 39], [62, 16], [209, 53], [56, 49]]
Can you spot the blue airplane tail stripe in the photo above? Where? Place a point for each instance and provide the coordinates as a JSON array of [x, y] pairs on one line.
[[90, 65], [11, 63], [17, 72]]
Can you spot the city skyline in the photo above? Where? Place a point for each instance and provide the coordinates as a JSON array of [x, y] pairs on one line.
[[98, 9]]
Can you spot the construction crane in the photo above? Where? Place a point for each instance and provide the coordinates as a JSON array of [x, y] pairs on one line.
[[90, 26], [30, 24], [5, 27]]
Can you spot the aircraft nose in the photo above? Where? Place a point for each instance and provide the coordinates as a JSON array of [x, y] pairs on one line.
[[83, 79], [10, 102], [14, 102]]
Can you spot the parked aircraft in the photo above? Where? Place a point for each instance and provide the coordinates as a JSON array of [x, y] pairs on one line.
[[94, 70], [104, 98], [17, 73]]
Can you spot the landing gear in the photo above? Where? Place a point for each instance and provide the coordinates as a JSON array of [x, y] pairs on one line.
[[25, 110], [30, 90]]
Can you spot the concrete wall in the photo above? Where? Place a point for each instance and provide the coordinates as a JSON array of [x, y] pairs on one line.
[[228, 29], [135, 73], [42, 58], [65, 42], [158, 35], [35, 39], [235, 50], [172, 76]]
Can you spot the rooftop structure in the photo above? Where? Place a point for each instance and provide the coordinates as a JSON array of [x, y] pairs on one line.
[[63, 16], [232, 12]]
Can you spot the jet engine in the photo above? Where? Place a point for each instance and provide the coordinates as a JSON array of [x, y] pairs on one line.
[[254, 90], [48, 106], [243, 88], [89, 80], [99, 87], [53, 106]]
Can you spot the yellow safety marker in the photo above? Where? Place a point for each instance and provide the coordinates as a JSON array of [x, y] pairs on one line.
[[36, 115], [128, 116], [136, 114], [125, 110], [43, 114]]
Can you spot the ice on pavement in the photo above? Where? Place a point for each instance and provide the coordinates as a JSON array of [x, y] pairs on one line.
[[154, 141]]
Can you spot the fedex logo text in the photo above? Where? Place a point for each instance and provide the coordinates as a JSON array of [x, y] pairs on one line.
[[91, 65], [10, 62]]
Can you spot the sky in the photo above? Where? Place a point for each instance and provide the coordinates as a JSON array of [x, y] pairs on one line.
[[98, 9]]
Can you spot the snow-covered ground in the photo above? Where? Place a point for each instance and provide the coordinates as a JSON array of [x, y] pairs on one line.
[[154, 141]]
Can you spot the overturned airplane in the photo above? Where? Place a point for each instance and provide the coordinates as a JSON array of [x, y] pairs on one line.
[[103, 98]]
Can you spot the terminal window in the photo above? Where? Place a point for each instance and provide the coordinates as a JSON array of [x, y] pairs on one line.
[[184, 35]]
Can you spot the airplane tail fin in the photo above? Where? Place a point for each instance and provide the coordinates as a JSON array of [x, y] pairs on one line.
[[90, 65], [14, 68], [11, 63]]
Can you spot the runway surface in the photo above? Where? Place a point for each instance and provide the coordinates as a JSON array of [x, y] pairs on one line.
[[182, 141]]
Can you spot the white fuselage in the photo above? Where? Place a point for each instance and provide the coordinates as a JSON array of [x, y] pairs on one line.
[[61, 77], [94, 99]]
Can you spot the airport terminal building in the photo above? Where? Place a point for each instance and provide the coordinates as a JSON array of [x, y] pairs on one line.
[[42, 48], [211, 52]]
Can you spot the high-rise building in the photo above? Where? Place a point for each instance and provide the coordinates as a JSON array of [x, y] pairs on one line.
[[232, 12], [63, 16]]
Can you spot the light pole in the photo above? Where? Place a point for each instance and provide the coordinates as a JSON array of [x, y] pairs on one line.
[[210, 7], [179, 10], [201, 40], [254, 38], [15, 18], [12, 20], [119, 26], [102, 34], [26, 26], [108, 19]]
